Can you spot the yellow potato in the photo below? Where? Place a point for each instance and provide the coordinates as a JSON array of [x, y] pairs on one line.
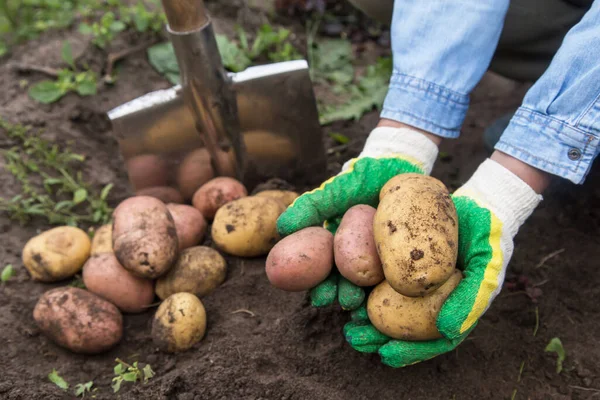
[[102, 241], [408, 318], [247, 227], [56, 254], [287, 197], [179, 323], [416, 233], [199, 270]]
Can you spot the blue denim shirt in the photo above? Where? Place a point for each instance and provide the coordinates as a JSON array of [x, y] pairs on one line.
[[441, 50]]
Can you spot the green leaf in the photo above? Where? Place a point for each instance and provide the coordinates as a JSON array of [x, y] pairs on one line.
[[117, 26], [58, 380], [555, 346], [162, 58], [46, 92], [338, 137], [82, 388], [86, 88], [116, 384], [105, 191], [85, 29], [80, 196], [67, 54], [119, 369], [130, 376], [234, 58], [148, 373], [141, 22], [7, 273]]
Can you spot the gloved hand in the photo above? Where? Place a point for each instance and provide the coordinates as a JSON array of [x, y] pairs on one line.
[[387, 153], [491, 207]]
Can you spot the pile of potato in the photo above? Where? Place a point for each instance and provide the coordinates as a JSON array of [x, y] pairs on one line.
[[404, 251], [150, 250]]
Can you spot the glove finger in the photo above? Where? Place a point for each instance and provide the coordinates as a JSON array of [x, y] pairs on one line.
[[364, 335], [360, 315], [350, 296], [324, 293]]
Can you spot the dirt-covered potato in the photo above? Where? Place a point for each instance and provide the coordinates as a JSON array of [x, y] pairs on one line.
[[416, 233], [147, 170], [102, 240], [166, 194], [409, 318], [354, 247], [144, 236], [179, 323], [216, 193], [78, 320], [194, 171], [199, 270], [301, 260], [247, 227], [56, 254], [287, 197], [190, 224], [104, 276]]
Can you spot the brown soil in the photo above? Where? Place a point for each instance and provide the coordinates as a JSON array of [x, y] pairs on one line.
[[263, 343]]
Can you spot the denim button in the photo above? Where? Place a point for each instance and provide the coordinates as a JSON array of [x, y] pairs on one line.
[[574, 154]]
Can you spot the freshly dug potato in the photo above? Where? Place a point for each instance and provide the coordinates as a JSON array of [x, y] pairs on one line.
[[190, 224], [56, 254], [226, 160], [147, 170], [287, 197], [104, 276], [179, 323], [144, 236], [166, 194], [408, 318], [301, 260], [194, 171], [397, 182], [247, 227], [216, 193], [416, 233], [78, 320], [354, 247], [102, 241], [199, 270]]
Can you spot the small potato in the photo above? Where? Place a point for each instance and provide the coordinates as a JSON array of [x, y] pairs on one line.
[[408, 318], [179, 323], [78, 320], [216, 193], [194, 171], [190, 224], [147, 170], [416, 233], [166, 194], [287, 197], [354, 247], [199, 270], [56, 254], [104, 276], [144, 236], [102, 241], [247, 227], [301, 260]]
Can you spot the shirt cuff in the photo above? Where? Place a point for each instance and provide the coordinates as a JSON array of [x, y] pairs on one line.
[[425, 105], [549, 145]]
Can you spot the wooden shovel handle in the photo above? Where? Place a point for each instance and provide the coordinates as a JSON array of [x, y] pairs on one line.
[[185, 15]]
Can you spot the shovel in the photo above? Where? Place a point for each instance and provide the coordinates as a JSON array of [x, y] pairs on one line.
[[254, 125]]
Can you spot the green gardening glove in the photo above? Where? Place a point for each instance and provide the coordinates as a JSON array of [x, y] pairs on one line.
[[491, 207], [387, 153]]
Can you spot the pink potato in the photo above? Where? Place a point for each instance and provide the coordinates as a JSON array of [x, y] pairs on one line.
[[216, 193], [190, 224], [104, 276], [354, 247], [78, 320], [301, 260], [194, 171], [166, 194], [147, 170]]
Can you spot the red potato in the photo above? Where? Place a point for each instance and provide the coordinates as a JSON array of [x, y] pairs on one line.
[[166, 194], [354, 247], [104, 276], [78, 320], [144, 237], [194, 171], [302, 260], [147, 170], [190, 224], [227, 162], [216, 193]]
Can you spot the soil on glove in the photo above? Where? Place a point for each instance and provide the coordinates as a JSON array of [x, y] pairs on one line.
[[263, 343]]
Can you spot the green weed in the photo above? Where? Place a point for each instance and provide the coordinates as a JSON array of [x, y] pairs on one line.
[[555, 346], [55, 378], [7, 273], [130, 373], [103, 31]]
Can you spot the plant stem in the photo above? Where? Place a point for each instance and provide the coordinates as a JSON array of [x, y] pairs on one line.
[[22, 67]]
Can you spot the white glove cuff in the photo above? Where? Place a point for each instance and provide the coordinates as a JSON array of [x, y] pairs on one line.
[[412, 145], [506, 195]]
